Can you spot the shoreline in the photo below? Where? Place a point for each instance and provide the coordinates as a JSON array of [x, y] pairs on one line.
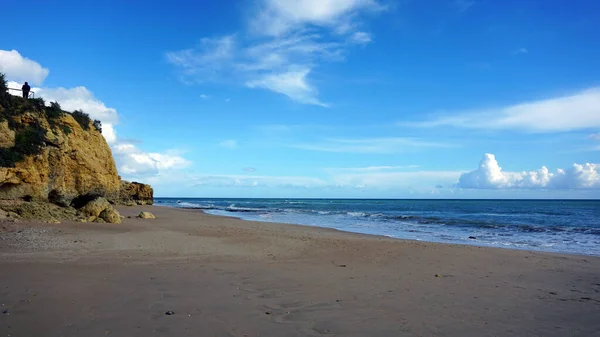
[[222, 276], [468, 243]]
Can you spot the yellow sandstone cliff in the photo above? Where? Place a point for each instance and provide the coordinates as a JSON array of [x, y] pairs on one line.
[[74, 162]]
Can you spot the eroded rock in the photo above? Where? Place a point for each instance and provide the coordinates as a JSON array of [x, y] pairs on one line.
[[146, 215], [134, 193], [111, 215], [94, 207]]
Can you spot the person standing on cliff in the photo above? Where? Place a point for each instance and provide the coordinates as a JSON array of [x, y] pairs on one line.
[[26, 88]]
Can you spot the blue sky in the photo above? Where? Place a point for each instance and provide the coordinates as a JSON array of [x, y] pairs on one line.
[[327, 98]]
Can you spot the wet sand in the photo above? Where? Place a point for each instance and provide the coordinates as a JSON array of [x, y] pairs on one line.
[[226, 277]]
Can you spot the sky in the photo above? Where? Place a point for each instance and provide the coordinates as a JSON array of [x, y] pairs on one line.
[[327, 98]]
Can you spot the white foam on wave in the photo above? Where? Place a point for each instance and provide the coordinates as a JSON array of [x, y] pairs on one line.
[[357, 214]]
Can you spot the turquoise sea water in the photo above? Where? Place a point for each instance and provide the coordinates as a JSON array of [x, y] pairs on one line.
[[566, 226]]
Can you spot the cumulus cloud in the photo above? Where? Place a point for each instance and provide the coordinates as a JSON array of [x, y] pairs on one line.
[[490, 175], [572, 112], [109, 133], [291, 38], [133, 162], [361, 38], [80, 98], [21, 69]]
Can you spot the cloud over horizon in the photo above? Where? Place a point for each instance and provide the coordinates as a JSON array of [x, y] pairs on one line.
[[490, 175], [560, 114]]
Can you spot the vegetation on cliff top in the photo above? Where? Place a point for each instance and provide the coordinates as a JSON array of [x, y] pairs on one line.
[[30, 139]]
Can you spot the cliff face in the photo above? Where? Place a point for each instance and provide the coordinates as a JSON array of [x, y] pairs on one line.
[[70, 163], [136, 193]]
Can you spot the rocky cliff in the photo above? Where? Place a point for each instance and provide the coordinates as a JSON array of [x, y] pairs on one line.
[[71, 162], [47, 154], [135, 193]]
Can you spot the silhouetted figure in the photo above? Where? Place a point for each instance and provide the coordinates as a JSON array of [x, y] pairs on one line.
[[26, 88]]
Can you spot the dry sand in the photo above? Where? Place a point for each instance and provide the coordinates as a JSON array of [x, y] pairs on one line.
[[227, 277]]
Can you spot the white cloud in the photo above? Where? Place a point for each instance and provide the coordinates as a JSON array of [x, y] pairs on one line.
[[489, 175], [79, 98], [595, 137], [208, 61], [109, 133], [229, 144], [203, 96], [370, 145], [382, 181], [135, 163], [278, 17], [566, 113], [294, 37], [292, 84], [21, 69], [361, 38], [395, 180]]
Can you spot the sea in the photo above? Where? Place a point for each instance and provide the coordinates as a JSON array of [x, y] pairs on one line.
[[564, 226]]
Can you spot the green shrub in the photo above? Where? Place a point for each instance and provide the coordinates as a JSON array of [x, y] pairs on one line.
[[3, 84], [66, 129], [53, 114], [38, 104], [4, 95], [54, 110], [98, 125], [28, 141], [9, 157], [82, 118], [55, 106]]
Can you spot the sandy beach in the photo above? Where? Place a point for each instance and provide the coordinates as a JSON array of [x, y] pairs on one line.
[[226, 277]]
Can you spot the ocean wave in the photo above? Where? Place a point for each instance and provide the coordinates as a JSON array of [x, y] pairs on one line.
[[358, 214], [233, 208], [393, 220]]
